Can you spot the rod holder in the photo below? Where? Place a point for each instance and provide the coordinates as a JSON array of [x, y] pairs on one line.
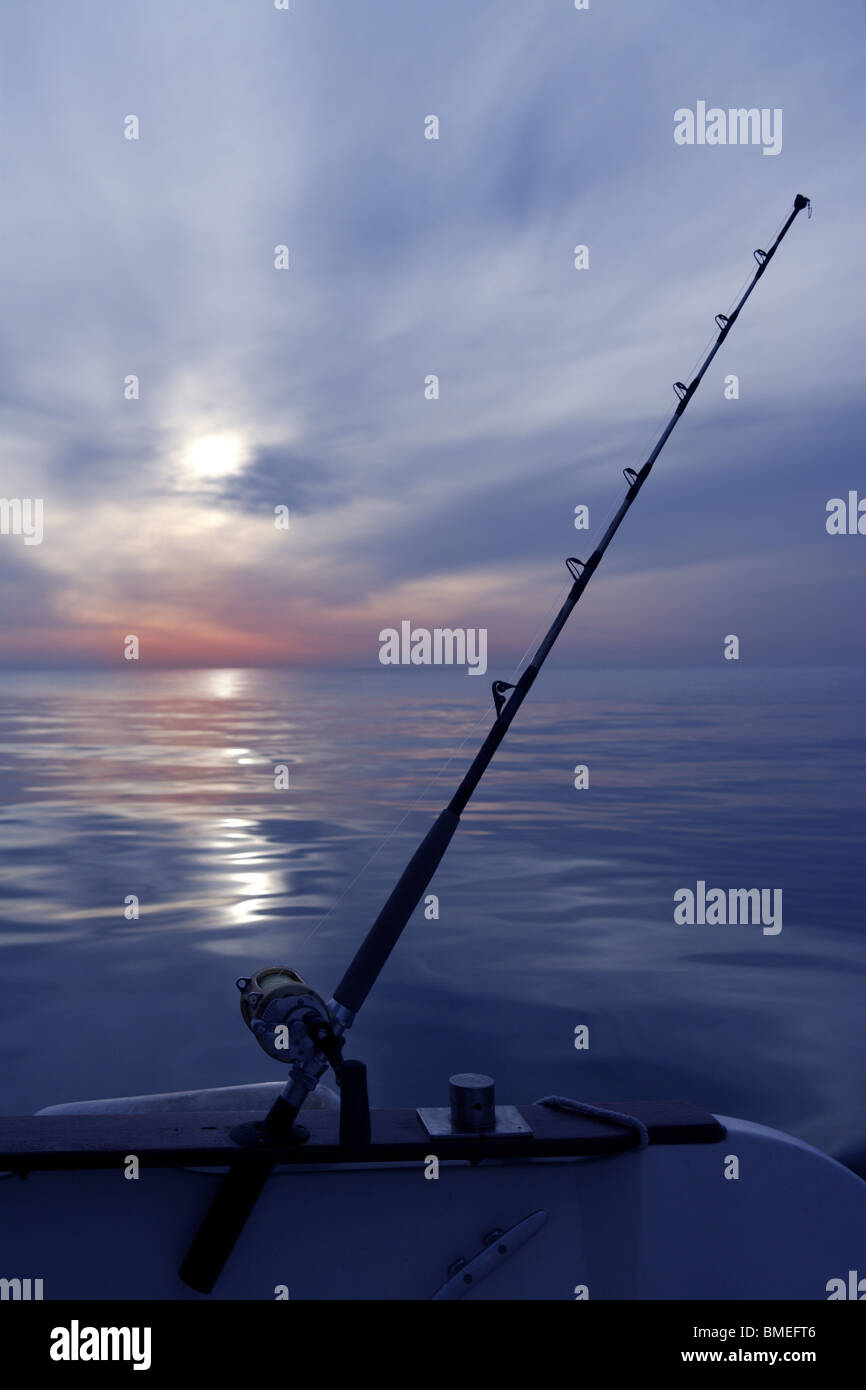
[[473, 1101]]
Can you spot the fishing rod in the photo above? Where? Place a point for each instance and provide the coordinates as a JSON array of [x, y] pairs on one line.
[[385, 931], [290, 1021]]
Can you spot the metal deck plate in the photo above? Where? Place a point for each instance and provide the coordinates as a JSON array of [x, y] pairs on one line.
[[509, 1121]]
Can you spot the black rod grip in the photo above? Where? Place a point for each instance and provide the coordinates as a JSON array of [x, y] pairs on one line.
[[385, 931], [355, 1126], [216, 1237]]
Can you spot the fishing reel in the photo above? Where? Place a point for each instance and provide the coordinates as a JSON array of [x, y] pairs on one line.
[[293, 1024], [287, 1018]]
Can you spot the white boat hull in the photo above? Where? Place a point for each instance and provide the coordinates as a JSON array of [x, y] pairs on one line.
[[664, 1222]]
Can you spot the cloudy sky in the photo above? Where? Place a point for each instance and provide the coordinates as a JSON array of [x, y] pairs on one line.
[[409, 257]]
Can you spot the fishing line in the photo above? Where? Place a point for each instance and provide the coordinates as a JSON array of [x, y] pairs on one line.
[[320, 1028], [479, 722], [481, 719], [506, 708]]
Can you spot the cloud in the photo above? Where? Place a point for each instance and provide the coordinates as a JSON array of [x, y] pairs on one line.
[[412, 257]]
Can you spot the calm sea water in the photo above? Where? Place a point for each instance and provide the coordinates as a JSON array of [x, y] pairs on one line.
[[556, 905]]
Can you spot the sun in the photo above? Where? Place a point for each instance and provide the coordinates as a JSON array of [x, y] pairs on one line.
[[215, 456]]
